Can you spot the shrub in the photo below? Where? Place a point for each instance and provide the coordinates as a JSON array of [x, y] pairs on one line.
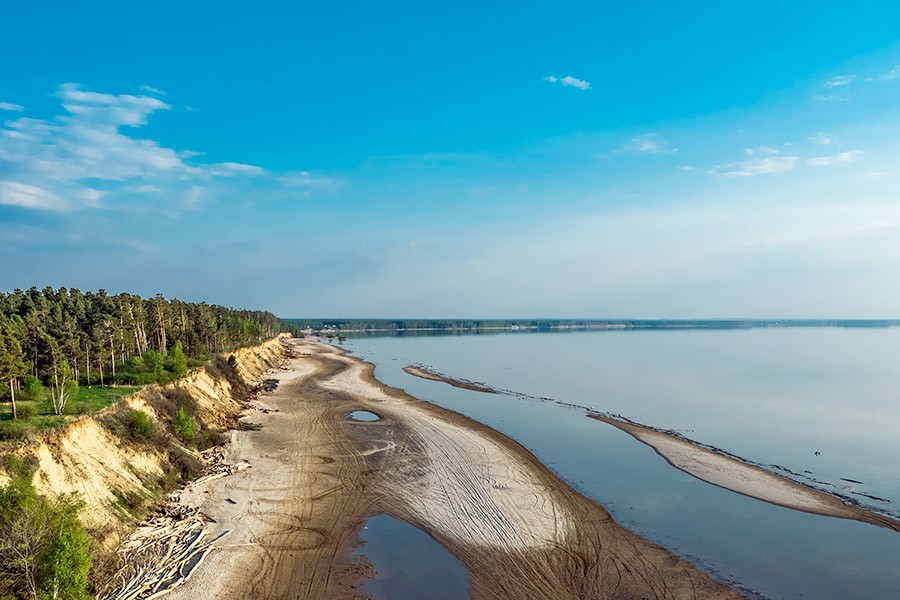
[[33, 390], [12, 430], [26, 410], [184, 425], [44, 545], [140, 423]]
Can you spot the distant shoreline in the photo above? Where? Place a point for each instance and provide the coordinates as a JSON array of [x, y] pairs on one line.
[[356, 326]]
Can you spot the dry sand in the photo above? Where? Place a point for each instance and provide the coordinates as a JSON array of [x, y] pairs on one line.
[[316, 476]]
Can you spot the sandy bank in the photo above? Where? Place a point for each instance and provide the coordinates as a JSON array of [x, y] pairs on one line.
[[316, 476], [748, 480]]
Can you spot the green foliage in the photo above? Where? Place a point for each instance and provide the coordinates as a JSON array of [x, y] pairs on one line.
[[178, 360], [26, 410], [154, 362], [13, 431], [43, 544], [32, 390], [62, 387], [140, 423], [184, 425]]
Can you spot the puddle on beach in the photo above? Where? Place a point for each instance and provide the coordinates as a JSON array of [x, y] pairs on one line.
[[409, 564], [363, 415]]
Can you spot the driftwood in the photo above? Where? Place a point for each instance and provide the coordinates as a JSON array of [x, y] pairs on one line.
[[161, 555], [164, 551]]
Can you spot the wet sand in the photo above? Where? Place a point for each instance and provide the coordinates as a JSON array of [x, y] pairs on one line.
[[316, 476], [749, 480], [718, 469]]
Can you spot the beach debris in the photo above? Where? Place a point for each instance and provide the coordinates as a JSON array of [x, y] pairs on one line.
[[161, 555]]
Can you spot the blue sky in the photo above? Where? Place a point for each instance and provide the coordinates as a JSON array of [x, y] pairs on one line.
[[457, 159]]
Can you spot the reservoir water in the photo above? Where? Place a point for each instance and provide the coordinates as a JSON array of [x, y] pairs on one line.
[[776, 397], [409, 565]]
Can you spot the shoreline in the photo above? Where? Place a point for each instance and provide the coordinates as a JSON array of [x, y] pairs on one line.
[[716, 468], [294, 517]]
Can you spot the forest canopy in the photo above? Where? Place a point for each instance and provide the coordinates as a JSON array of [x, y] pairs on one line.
[[100, 338]]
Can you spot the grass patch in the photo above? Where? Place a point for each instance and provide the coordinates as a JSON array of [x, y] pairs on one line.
[[36, 416]]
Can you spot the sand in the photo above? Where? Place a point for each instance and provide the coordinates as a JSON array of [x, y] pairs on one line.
[[749, 480], [316, 476], [713, 467]]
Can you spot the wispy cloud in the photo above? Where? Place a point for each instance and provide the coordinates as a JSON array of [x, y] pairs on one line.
[[305, 179], [650, 143], [233, 168], [840, 80], [765, 150], [11, 106], [821, 138], [569, 81], [838, 159], [153, 90], [89, 153], [761, 166]]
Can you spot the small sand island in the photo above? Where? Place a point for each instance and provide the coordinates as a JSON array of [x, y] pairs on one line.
[[293, 519]]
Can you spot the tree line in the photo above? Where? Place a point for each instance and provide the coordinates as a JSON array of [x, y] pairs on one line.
[[65, 337]]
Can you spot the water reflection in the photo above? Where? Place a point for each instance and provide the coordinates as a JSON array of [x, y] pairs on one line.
[[363, 415], [772, 396], [409, 564]]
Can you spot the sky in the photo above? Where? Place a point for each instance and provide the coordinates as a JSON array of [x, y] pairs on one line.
[[468, 159]]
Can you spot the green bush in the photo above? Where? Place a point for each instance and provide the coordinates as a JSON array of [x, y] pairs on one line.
[[33, 390], [26, 410], [44, 545], [140, 423], [12, 430], [184, 425]]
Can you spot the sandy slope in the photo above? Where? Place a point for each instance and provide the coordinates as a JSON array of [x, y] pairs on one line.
[[317, 475]]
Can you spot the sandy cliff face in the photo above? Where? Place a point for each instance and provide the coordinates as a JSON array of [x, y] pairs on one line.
[[106, 466]]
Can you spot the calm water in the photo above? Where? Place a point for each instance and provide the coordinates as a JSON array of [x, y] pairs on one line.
[[409, 564], [773, 396]]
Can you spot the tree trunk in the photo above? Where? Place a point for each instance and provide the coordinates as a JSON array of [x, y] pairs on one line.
[[12, 394], [112, 357]]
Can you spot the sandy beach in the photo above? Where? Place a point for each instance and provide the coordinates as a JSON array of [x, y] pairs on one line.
[[294, 516]]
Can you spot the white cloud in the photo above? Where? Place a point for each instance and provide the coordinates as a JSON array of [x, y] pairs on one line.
[[840, 80], [14, 193], [304, 179], [649, 143], [233, 168], [761, 150], [569, 81], [578, 83], [761, 166], [59, 163], [11, 106], [153, 90], [821, 138], [838, 159], [142, 189], [893, 73]]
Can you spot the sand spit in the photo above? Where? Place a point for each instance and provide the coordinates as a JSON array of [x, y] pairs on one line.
[[426, 373], [749, 480], [713, 467], [317, 476]]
